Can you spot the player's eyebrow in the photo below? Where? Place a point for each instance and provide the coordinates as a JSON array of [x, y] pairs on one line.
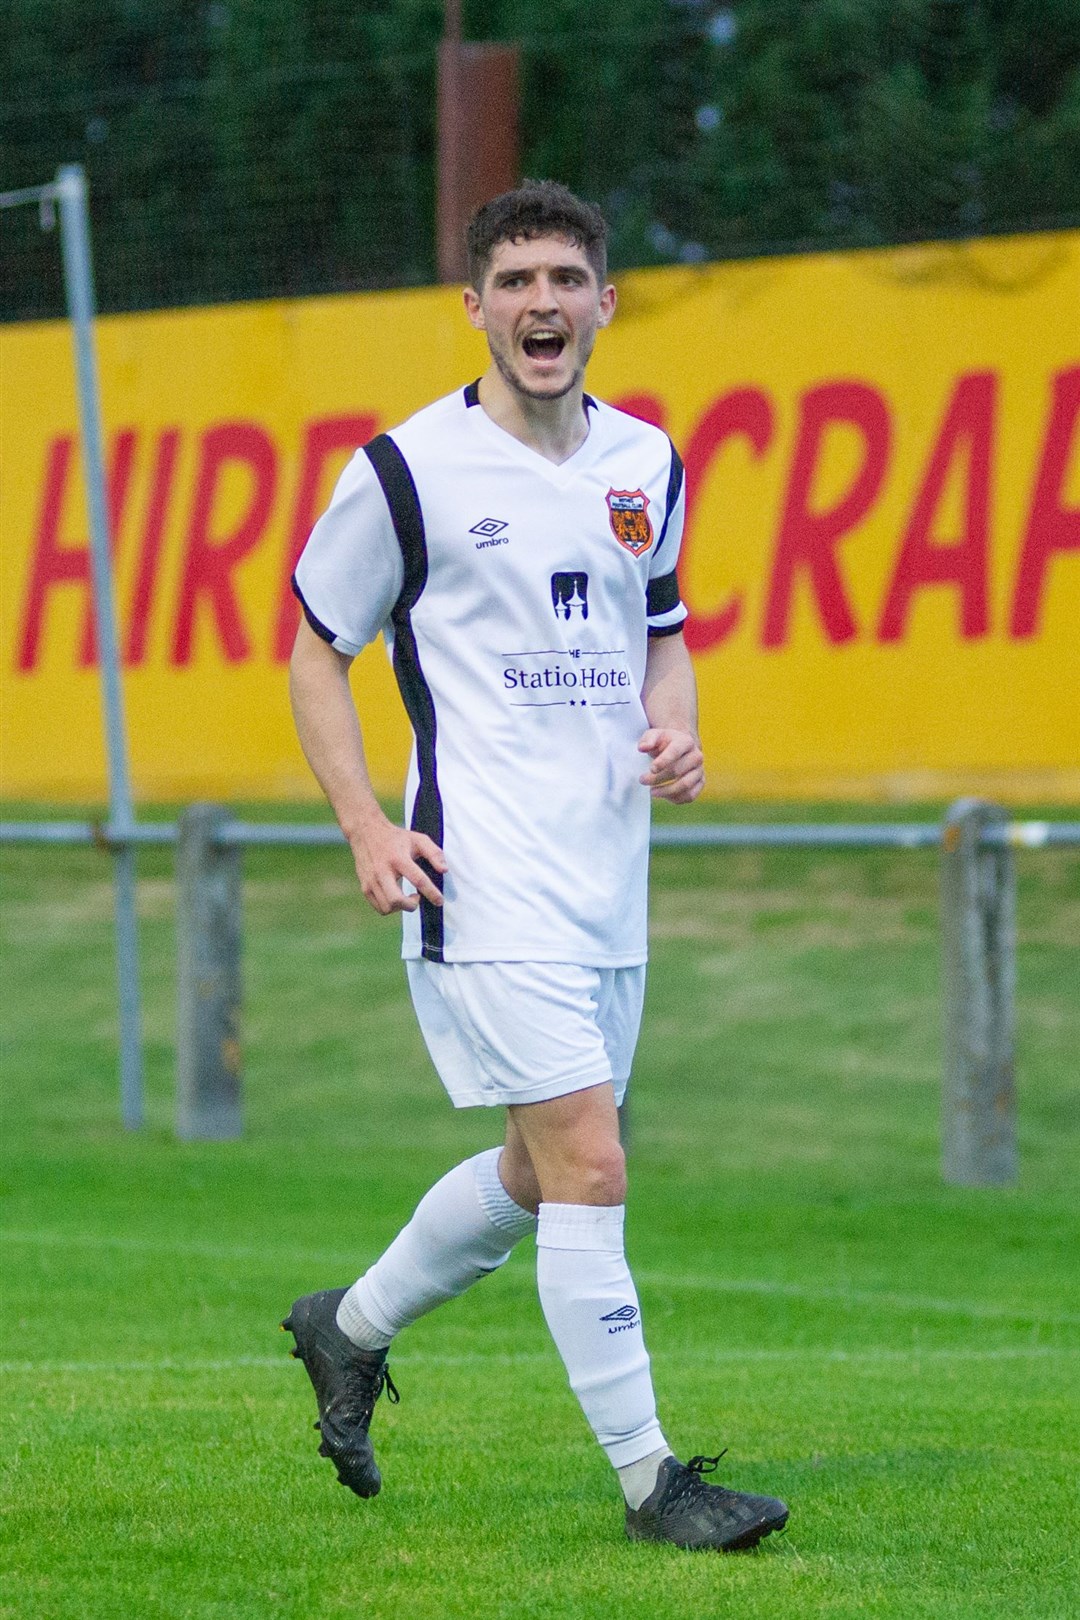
[[502, 276]]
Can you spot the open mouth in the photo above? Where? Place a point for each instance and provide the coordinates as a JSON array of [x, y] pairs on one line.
[[544, 345]]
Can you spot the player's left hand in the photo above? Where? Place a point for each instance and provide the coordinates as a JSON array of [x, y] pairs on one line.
[[677, 772]]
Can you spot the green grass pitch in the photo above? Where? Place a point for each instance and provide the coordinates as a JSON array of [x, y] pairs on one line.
[[896, 1358]]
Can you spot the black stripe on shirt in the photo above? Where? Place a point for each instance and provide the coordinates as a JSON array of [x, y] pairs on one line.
[[662, 594], [392, 471], [317, 625], [674, 485]]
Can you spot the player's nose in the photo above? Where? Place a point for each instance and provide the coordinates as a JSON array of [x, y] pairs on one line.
[[544, 301]]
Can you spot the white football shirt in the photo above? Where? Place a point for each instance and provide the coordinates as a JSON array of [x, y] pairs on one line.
[[517, 598]]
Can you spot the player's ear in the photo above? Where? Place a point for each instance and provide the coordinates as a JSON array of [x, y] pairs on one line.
[[607, 305], [473, 308]]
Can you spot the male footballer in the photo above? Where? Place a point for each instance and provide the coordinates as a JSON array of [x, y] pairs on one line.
[[516, 545]]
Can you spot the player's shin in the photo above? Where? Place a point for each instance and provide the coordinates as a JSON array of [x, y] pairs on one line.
[[463, 1228], [591, 1307]]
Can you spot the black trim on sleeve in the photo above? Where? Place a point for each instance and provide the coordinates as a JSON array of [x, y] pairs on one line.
[[666, 629], [392, 471], [662, 594], [317, 625], [674, 485]]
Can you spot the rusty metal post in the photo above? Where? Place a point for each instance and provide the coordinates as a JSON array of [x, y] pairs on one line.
[[978, 919], [208, 898], [477, 121]]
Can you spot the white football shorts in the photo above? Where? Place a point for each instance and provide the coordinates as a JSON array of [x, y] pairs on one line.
[[521, 1032]]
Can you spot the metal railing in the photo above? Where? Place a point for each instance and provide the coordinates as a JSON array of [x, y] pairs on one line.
[[976, 841], [718, 835]]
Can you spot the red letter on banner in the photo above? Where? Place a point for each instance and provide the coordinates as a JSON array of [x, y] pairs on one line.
[[807, 539], [1051, 525], [748, 412], [322, 439], [209, 563], [968, 429], [55, 564], [157, 509]]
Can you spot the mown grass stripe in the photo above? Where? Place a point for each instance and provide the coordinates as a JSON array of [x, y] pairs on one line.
[[766, 1287], [889, 1353]]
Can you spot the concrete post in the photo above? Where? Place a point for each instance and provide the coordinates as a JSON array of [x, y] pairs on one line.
[[978, 906], [208, 927]]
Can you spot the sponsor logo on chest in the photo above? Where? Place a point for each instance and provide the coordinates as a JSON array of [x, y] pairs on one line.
[[570, 595]]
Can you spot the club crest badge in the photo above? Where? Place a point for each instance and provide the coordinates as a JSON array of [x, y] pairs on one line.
[[628, 513]]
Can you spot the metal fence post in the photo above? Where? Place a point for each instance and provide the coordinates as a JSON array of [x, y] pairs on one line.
[[70, 190], [208, 899], [978, 905]]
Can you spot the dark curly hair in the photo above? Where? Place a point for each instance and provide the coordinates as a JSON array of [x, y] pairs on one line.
[[536, 208]]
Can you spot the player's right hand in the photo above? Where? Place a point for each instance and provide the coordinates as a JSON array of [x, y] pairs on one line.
[[386, 856]]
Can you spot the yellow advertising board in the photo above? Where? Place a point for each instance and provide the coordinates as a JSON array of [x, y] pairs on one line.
[[882, 557]]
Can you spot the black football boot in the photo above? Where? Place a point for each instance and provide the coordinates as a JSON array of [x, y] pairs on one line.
[[347, 1383], [683, 1509]]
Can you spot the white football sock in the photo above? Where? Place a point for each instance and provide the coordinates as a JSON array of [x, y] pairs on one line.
[[464, 1227], [591, 1307], [638, 1480]]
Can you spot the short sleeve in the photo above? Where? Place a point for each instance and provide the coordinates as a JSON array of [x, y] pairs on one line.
[[664, 608], [350, 573]]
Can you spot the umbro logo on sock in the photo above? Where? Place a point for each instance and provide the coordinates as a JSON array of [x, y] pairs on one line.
[[625, 1318]]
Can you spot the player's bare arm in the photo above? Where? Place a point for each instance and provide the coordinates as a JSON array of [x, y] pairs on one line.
[[330, 735], [669, 696]]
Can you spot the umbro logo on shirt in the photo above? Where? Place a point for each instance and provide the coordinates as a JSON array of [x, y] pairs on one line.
[[625, 1318], [491, 529]]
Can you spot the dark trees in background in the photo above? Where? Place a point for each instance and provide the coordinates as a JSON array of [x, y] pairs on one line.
[[246, 148]]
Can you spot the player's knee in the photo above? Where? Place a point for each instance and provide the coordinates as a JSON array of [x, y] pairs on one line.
[[601, 1175]]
